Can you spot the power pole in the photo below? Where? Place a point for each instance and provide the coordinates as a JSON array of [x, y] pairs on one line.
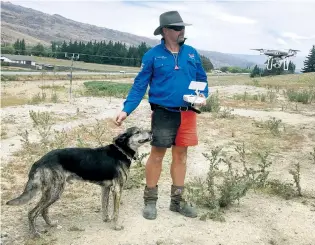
[[74, 56]]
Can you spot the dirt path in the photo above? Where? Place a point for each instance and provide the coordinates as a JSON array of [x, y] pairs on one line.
[[259, 219]]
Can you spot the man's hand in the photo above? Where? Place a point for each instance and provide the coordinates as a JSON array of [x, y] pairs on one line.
[[203, 96], [120, 118], [203, 103]]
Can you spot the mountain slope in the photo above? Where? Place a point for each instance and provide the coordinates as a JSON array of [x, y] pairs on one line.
[[37, 26], [222, 59], [18, 22]]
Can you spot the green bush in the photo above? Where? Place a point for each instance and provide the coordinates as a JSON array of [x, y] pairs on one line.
[[4, 63], [305, 96], [8, 77], [106, 88], [212, 104]]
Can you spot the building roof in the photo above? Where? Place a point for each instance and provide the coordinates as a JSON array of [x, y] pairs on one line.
[[18, 57]]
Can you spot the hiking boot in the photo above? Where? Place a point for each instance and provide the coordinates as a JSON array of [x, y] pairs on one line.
[[150, 197], [178, 203]]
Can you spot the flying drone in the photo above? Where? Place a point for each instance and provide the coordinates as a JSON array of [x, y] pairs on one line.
[[279, 56]]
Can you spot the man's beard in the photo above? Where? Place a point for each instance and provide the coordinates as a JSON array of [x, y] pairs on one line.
[[180, 38]]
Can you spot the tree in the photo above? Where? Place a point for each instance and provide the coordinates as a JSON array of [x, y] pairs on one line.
[[206, 63], [309, 63], [7, 49], [255, 72], [236, 69], [224, 68], [22, 46], [291, 67], [17, 46], [38, 50]]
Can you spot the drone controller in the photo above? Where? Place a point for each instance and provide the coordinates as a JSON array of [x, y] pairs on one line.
[[195, 99]]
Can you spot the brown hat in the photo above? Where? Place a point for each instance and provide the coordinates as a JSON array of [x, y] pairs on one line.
[[170, 18]]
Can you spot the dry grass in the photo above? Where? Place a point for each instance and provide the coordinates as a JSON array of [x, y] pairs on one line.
[[280, 81], [292, 81], [4, 132], [83, 65], [223, 80], [48, 77], [272, 94], [246, 104], [12, 68], [243, 129], [8, 100]]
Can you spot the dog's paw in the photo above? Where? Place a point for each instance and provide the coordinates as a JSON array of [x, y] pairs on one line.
[[36, 234], [53, 223], [106, 219], [118, 227]]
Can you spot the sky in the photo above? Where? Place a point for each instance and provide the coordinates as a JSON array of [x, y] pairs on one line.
[[228, 26]]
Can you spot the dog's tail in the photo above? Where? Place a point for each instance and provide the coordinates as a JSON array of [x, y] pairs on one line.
[[30, 189]]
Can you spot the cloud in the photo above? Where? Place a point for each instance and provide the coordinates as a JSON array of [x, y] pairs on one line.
[[236, 19], [295, 36], [282, 42], [228, 26]]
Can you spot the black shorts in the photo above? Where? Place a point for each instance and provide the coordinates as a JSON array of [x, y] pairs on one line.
[[173, 128]]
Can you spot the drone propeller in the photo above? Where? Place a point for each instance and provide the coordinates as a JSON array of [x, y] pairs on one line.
[[261, 50], [293, 50]]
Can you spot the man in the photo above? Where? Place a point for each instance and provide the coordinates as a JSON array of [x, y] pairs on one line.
[[168, 69]]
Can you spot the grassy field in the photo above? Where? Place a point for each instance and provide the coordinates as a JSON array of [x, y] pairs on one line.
[[112, 85], [281, 81], [291, 80], [47, 77], [83, 65]]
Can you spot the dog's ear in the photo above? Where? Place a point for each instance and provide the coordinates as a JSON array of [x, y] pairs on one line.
[[120, 138]]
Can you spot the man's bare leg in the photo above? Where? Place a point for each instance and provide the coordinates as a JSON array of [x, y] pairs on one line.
[[178, 167], [153, 166]]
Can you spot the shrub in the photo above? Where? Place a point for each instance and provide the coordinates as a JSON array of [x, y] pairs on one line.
[[212, 104], [106, 88], [305, 96]]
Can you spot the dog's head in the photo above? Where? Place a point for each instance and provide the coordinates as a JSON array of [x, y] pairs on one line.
[[133, 138]]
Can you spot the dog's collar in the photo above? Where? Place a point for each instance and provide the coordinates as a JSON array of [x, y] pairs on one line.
[[127, 155]]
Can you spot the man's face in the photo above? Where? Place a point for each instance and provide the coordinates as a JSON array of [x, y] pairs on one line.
[[175, 33]]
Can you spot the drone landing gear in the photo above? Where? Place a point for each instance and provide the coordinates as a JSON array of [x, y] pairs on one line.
[[285, 64], [269, 63], [277, 64]]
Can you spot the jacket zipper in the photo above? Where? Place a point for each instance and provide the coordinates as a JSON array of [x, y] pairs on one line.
[[175, 59]]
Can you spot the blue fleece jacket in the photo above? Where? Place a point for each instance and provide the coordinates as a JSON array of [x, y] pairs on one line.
[[167, 84]]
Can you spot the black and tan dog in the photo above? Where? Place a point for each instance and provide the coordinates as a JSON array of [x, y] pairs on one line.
[[105, 166]]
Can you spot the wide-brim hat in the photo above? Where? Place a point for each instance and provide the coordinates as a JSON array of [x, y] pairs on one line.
[[170, 18]]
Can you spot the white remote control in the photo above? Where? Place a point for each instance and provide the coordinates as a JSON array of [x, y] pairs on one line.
[[195, 99]]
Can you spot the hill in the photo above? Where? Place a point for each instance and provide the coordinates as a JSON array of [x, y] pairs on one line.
[[18, 22]]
